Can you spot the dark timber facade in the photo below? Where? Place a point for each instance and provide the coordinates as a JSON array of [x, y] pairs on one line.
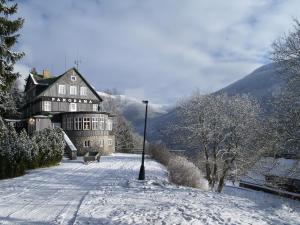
[[68, 101]]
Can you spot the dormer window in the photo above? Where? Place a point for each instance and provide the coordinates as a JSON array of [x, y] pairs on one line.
[[73, 78]]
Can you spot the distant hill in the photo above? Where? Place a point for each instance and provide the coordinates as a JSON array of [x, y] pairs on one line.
[[264, 84], [134, 110]]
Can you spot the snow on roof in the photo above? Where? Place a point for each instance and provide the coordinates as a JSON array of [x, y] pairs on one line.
[[269, 166], [32, 77]]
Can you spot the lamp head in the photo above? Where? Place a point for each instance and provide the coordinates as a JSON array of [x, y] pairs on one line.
[[145, 101], [31, 121]]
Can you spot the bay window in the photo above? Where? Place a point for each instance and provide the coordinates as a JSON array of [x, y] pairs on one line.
[[86, 123], [95, 123]]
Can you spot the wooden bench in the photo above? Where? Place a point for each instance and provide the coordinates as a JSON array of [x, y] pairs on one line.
[[91, 156]]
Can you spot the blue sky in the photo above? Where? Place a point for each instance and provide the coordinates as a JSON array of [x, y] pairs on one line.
[[156, 50]]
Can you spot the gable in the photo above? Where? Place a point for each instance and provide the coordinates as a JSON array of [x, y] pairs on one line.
[[30, 82], [67, 79]]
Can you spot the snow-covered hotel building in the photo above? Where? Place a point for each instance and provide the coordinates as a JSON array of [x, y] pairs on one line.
[[68, 101]]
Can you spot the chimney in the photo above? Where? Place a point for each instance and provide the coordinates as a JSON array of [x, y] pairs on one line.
[[46, 74], [33, 71]]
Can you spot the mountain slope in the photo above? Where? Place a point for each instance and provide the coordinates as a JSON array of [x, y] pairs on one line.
[[134, 110], [264, 84]]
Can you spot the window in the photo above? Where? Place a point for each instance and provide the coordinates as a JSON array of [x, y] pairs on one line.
[[73, 90], [95, 107], [69, 123], [109, 124], [73, 107], [101, 143], [47, 106], [83, 91], [109, 142], [95, 123], [86, 144], [86, 123], [73, 78], [78, 123], [101, 122], [62, 89]]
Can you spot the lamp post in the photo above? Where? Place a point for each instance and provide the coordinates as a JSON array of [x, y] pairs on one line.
[[142, 169]]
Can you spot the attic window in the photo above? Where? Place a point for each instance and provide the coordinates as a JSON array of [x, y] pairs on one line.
[[73, 78]]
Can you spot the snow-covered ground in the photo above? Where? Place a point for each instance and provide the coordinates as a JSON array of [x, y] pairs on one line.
[[108, 193]]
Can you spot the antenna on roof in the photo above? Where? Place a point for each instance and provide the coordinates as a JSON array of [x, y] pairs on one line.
[[77, 62]]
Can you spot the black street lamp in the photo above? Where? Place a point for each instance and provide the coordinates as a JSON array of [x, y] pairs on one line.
[[142, 169]]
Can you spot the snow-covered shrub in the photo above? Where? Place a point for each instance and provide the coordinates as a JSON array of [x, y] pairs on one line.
[[50, 143], [13, 156], [30, 149], [181, 171], [19, 152], [184, 172], [160, 153]]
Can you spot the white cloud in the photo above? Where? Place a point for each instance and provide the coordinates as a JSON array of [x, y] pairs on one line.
[[159, 49]]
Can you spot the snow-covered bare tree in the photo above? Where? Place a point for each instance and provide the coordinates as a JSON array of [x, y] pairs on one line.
[[286, 52], [226, 131], [122, 128], [8, 38]]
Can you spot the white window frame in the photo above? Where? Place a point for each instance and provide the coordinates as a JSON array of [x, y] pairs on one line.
[[95, 123], [83, 91], [62, 89], [101, 143], [101, 122], [109, 124], [73, 78], [109, 142], [95, 107], [73, 90], [77, 123], [47, 106], [73, 107], [86, 123], [87, 143]]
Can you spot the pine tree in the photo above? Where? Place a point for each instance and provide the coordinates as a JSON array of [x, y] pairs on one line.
[[8, 36]]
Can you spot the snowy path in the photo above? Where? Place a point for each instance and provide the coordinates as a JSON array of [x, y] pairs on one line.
[[108, 193]]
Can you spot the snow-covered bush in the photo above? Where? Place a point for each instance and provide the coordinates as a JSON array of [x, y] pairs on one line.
[[181, 171], [19, 152], [184, 172], [50, 143], [160, 153], [13, 155], [30, 149]]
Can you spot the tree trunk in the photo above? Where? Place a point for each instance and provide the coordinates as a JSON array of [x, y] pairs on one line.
[[215, 169], [207, 167], [222, 179]]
